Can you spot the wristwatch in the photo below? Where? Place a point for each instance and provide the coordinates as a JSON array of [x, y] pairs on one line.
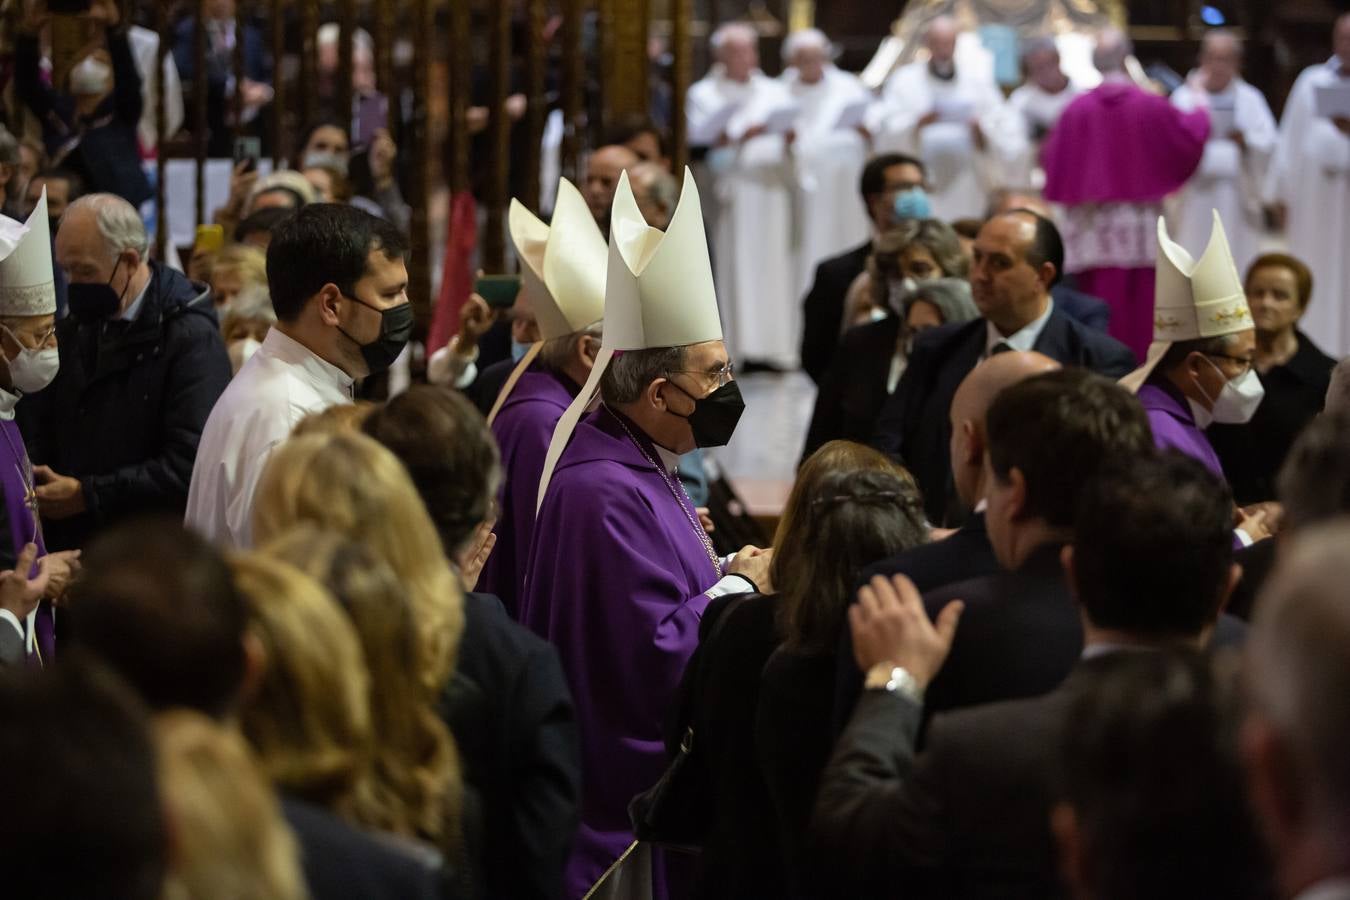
[[895, 679]]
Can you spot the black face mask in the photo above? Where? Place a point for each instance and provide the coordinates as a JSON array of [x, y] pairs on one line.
[[396, 324], [714, 418], [94, 302]]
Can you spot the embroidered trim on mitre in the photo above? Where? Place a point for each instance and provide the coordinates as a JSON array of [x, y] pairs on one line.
[[30, 300], [1220, 317]]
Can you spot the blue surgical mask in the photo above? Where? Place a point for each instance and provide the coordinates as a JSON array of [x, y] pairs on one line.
[[913, 204], [518, 350]]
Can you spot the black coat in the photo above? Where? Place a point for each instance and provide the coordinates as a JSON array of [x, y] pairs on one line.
[[823, 308], [914, 424], [126, 410], [961, 556], [854, 390], [513, 720], [1084, 309], [1253, 453], [484, 389]]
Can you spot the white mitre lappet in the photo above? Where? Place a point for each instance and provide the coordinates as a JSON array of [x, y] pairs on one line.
[[1193, 299], [562, 270], [658, 293], [27, 287]]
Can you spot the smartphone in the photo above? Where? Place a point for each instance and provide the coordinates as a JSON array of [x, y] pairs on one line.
[[248, 150], [498, 291], [210, 238]]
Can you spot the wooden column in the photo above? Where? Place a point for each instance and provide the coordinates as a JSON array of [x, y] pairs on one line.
[[623, 26], [681, 74], [457, 150], [536, 113], [161, 126], [499, 128], [309, 69], [199, 126], [573, 86], [384, 13], [342, 94], [237, 64], [280, 96], [422, 19]]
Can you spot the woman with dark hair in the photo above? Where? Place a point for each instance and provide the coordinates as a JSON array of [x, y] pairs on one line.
[[764, 740], [1293, 370]]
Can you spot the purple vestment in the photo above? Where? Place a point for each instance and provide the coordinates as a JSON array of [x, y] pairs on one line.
[[523, 428], [16, 479], [1174, 426], [617, 572]]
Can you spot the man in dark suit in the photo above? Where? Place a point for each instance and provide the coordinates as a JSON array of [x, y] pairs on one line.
[[1151, 565], [823, 309], [1018, 257], [1083, 308]]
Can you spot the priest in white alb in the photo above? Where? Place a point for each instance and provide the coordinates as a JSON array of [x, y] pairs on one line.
[[1310, 180], [829, 148], [742, 117], [1036, 105], [951, 117], [1242, 135]]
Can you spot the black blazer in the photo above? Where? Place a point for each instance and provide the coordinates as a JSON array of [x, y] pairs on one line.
[[1253, 453], [961, 556], [484, 389], [823, 308], [1082, 308], [914, 424], [854, 390], [510, 710]]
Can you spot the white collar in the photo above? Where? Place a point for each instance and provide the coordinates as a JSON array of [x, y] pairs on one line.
[[134, 308], [288, 350], [7, 403], [671, 461], [1024, 340]]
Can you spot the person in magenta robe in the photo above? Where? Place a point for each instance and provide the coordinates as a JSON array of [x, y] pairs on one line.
[[563, 268], [620, 569], [1115, 153]]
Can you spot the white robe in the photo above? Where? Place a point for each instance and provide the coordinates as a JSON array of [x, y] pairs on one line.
[[1035, 111], [830, 214], [752, 219], [960, 176], [1310, 173], [1228, 179]]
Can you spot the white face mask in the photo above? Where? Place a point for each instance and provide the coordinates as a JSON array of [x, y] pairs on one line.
[[90, 76], [32, 370], [1238, 400]]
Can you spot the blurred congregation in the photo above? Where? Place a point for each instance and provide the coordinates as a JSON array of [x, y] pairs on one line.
[[648, 450]]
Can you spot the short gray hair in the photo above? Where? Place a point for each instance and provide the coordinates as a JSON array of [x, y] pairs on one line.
[[9, 148], [1113, 48], [556, 353], [804, 39], [730, 31], [632, 372], [118, 222]]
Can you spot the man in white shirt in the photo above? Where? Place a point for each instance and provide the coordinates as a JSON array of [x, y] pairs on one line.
[[339, 283], [1242, 135], [1309, 181]]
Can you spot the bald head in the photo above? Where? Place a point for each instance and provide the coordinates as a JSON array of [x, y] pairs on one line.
[[602, 178], [969, 405], [1298, 738], [1008, 199], [1112, 49], [940, 39]]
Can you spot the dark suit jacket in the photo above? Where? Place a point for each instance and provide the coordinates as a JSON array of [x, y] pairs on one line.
[[341, 861], [513, 720], [854, 390], [961, 556], [823, 308], [914, 424], [1082, 308]]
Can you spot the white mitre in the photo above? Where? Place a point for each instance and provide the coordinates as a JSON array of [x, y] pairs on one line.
[[1193, 299], [658, 293], [562, 270], [27, 286]]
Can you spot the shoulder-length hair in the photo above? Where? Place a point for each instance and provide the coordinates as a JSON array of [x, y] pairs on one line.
[[851, 506], [349, 484], [416, 788], [309, 718], [937, 236]]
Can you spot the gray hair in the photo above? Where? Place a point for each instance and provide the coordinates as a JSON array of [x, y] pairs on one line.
[[806, 39], [951, 296], [9, 148], [1113, 48], [730, 32], [556, 354], [1300, 672], [633, 371], [118, 222], [659, 185]]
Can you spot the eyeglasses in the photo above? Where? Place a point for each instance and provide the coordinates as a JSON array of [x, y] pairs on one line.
[[1244, 361], [724, 375]]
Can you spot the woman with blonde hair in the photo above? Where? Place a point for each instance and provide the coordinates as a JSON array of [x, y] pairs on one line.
[[229, 838], [765, 746], [234, 269], [416, 788], [309, 716], [348, 483]]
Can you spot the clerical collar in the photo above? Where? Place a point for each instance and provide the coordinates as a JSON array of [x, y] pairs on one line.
[[7, 403], [1025, 339], [671, 461]]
